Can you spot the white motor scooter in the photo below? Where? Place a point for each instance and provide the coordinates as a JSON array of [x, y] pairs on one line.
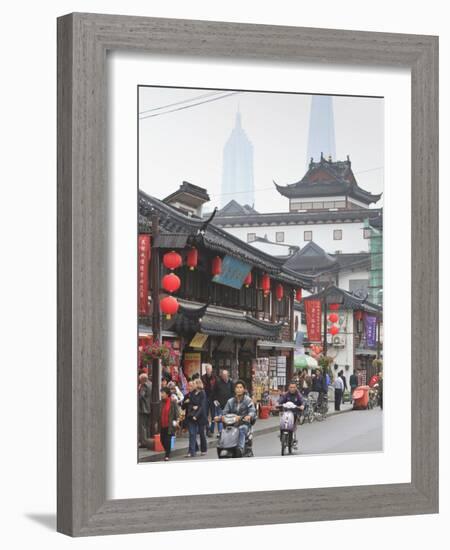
[[287, 427], [228, 445]]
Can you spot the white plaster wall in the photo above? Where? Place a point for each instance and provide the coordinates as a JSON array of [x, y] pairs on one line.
[[346, 276], [322, 234]]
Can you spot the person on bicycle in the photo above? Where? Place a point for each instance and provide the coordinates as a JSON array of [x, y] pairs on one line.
[[295, 397]]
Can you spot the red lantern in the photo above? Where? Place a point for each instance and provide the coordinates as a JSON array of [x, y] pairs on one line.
[[334, 330], [216, 266], [333, 317], [358, 315], [169, 306], [192, 258], [248, 280], [265, 284], [171, 282], [298, 294], [172, 260], [333, 307], [279, 292]]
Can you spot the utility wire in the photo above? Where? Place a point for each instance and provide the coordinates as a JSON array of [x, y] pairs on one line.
[[189, 106], [179, 102]]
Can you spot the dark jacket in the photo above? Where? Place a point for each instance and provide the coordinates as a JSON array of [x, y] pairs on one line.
[[196, 399], [319, 384], [145, 397], [209, 383], [295, 398], [223, 391], [344, 379], [353, 380]]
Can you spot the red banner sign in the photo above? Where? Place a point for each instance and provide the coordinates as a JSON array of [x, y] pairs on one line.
[[143, 260], [313, 312]]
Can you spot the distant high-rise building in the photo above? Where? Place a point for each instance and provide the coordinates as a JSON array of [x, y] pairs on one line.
[[321, 129], [237, 174]]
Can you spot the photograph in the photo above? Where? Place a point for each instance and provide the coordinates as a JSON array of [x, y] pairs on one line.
[[260, 274]]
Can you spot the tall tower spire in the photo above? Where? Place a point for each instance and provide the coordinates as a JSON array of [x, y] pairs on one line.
[[321, 137], [237, 174]]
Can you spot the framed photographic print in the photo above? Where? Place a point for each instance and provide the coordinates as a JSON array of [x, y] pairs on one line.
[[247, 274]]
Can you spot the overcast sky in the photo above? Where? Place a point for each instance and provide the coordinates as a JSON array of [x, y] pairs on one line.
[[187, 144]]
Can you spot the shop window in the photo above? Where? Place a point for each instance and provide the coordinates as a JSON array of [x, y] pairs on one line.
[[279, 236], [307, 235], [337, 234], [367, 233], [251, 237]]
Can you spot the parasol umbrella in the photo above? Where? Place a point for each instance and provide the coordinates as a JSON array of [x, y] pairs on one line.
[[304, 361]]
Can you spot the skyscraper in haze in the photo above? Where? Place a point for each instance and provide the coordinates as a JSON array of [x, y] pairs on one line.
[[321, 128], [237, 173]]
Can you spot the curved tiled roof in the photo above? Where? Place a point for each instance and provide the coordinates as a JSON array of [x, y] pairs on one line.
[[214, 238], [326, 178]]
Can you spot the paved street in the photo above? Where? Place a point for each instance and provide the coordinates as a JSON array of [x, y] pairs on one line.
[[354, 431]]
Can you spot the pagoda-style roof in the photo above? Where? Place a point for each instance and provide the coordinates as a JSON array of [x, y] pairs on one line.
[[212, 321], [208, 235], [346, 300], [313, 259], [327, 178], [189, 193], [233, 208]]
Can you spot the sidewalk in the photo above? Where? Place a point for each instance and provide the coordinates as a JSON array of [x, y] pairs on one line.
[[261, 427]]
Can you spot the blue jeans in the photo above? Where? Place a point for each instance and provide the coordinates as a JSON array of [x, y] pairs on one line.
[[212, 413], [243, 431], [219, 412], [194, 429]]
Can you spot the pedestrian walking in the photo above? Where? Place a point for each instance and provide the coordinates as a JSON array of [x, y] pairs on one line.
[[344, 380], [144, 401], [338, 391], [380, 390], [223, 391], [196, 418], [168, 420], [209, 380], [353, 382]]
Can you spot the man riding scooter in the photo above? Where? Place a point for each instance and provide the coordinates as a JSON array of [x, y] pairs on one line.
[[295, 397], [242, 406]]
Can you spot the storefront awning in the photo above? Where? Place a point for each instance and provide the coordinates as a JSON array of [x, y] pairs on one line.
[[225, 323], [278, 345], [360, 351]]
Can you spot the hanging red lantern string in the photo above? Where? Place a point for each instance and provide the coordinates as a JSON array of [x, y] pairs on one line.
[[192, 258], [216, 265], [298, 294], [334, 330], [333, 307], [333, 317], [169, 306], [265, 284], [171, 282], [358, 315], [248, 280], [279, 292], [172, 260]]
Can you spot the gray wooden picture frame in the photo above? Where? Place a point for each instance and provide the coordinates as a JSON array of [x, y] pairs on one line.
[[83, 41]]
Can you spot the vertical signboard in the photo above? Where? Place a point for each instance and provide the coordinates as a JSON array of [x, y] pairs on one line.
[[143, 261]]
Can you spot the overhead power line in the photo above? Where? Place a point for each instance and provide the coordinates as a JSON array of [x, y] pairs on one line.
[[190, 106], [180, 102]]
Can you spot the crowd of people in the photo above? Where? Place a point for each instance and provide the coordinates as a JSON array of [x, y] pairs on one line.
[[198, 411]]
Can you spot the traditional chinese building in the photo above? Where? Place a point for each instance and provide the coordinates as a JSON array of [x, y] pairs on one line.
[[236, 303], [357, 338], [326, 206]]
